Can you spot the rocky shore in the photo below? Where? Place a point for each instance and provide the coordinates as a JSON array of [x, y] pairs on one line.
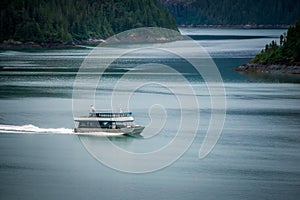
[[35, 45], [275, 69], [12, 44]]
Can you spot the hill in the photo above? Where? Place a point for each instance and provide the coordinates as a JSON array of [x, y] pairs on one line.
[[67, 21], [234, 12]]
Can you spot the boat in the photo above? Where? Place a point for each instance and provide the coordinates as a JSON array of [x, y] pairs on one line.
[[114, 123]]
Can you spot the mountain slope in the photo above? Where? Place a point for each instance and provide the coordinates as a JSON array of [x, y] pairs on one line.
[[234, 12], [66, 21]]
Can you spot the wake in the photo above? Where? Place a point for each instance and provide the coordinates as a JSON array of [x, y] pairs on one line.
[[31, 129]]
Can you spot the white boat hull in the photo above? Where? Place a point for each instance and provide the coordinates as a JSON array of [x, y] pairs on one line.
[[136, 130]]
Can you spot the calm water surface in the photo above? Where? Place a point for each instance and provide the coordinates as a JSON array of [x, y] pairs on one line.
[[256, 157]]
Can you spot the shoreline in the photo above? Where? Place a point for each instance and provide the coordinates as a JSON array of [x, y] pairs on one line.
[[12, 44], [269, 68], [247, 26], [34, 45]]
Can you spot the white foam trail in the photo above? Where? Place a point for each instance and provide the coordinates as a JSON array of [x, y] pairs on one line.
[[31, 129]]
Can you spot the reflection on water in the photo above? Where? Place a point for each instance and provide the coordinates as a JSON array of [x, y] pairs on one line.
[[275, 78]]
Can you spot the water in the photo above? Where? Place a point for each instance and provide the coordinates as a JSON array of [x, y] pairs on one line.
[[256, 157]]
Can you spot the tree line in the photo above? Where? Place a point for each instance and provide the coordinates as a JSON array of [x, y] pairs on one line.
[[234, 12], [66, 21], [287, 52]]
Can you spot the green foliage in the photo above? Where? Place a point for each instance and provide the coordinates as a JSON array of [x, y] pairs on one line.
[[288, 52], [66, 21], [234, 12]]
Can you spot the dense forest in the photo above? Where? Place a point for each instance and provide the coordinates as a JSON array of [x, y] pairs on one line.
[[287, 52], [234, 12], [66, 21]]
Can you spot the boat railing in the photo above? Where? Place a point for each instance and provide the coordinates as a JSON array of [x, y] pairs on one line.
[[110, 115]]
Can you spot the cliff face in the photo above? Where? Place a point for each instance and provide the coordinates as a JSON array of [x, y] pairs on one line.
[[237, 12], [67, 21]]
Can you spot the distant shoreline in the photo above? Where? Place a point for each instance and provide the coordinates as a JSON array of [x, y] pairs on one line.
[[34, 45], [78, 44], [12, 44], [271, 68], [279, 26]]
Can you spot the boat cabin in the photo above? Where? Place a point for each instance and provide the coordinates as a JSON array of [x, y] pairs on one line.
[[106, 120]]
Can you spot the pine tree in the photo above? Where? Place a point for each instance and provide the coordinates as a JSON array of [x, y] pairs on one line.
[[68, 20]]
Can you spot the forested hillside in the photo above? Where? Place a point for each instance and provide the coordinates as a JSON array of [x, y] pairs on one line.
[[66, 21], [234, 12], [286, 53], [282, 58]]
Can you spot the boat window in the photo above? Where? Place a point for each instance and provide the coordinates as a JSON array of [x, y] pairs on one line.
[[120, 125], [94, 124], [82, 124], [104, 124], [88, 124]]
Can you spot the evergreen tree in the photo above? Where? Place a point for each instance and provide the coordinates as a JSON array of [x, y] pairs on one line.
[[234, 12], [74, 20], [287, 53]]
